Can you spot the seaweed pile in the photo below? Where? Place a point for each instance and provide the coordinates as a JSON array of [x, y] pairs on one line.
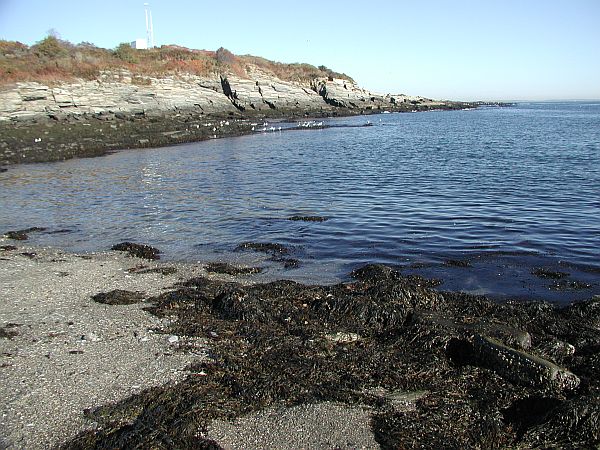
[[481, 374], [138, 250]]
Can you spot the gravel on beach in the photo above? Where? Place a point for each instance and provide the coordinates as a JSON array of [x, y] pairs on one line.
[[62, 353]]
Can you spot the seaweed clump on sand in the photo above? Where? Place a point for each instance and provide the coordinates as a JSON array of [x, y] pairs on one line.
[[229, 269], [435, 367], [138, 250], [118, 297]]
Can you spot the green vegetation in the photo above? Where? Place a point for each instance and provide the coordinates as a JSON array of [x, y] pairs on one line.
[[55, 60]]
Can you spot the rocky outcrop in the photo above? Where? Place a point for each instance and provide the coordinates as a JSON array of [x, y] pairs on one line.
[[112, 92], [121, 91], [119, 109]]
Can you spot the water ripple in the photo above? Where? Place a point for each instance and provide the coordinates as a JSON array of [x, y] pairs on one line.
[[415, 187]]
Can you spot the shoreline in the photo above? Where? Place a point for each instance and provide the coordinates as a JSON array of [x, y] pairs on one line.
[[58, 138], [385, 352]]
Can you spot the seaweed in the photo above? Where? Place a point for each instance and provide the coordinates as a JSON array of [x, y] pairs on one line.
[[542, 272], [140, 270], [22, 235], [139, 250], [118, 297], [229, 269], [425, 362], [308, 218], [264, 247]]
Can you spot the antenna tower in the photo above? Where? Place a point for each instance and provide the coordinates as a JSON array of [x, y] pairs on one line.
[[149, 26]]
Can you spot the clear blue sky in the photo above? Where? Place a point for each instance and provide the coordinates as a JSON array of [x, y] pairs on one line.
[[458, 49]]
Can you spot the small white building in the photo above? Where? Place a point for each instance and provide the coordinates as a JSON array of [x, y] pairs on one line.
[[140, 44]]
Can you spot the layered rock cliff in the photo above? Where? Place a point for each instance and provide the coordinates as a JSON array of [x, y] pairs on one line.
[[121, 92], [160, 97]]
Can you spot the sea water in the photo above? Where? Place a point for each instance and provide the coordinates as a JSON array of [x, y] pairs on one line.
[[503, 191]]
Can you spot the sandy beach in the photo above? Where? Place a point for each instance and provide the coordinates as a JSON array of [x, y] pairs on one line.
[[61, 354], [64, 352]]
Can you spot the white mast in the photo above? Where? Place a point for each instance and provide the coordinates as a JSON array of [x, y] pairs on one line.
[[151, 30], [149, 26]]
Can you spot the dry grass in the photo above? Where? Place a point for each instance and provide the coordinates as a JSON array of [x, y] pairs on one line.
[[53, 60]]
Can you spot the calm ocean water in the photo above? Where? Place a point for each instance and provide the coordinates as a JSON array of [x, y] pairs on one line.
[[508, 189]]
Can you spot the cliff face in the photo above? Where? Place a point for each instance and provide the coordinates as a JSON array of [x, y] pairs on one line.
[[120, 92], [117, 109]]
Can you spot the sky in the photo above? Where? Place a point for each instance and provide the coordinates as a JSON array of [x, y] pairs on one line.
[[445, 49]]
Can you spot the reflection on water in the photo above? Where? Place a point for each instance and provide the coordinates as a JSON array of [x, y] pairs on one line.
[[414, 188]]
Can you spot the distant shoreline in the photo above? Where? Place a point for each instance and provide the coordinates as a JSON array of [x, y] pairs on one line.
[[47, 139]]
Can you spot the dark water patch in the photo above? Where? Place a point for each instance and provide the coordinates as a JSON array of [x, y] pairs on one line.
[[530, 411], [513, 276], [138, 250], [61, 231]]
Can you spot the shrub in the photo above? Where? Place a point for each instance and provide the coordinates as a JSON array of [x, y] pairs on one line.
[[126, 53], [49, 47]]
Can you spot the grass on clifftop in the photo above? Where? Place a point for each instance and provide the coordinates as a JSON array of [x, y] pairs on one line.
[[54, 60]]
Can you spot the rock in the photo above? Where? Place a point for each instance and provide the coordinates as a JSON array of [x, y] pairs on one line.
[[398, 401], [520, 367], [173, 339], [92, 337], [557, 350], [342, 338]]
